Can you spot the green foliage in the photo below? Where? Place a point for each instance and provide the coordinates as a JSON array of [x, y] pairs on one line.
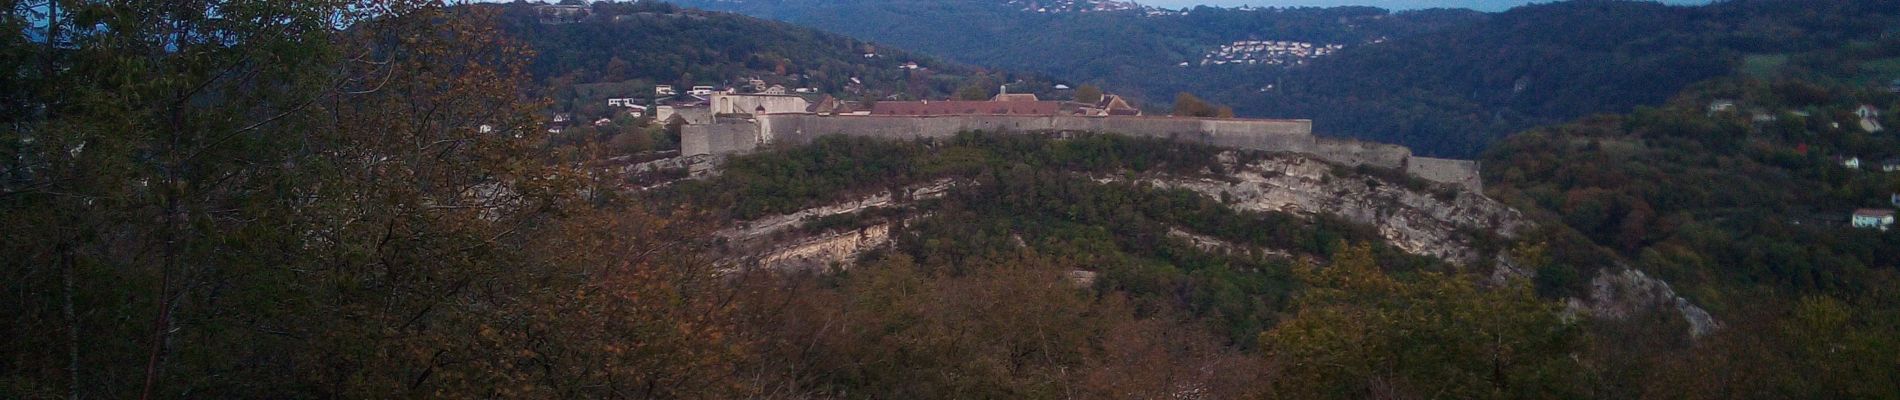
[[1022, 191], [1089, 94], [624, 49], [1360, 333]]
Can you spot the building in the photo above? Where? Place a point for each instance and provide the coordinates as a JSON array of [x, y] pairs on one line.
[[828, 105], [1004, 95], [561, 14], [701, 91], [727, 103], [1873, 218], [1891, 164], [664, 91], [684, 115], [1848, 162], [957, 107], [1869, 118], [1721, 106], [1895, 199], [1894, 87], [1109, 105], [627, 102]]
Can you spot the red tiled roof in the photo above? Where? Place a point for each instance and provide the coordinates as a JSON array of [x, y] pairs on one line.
[[966, 108]]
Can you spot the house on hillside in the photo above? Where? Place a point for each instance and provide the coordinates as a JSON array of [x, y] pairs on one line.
[[1873, 218], [664, 91], [1721, 106], [1894, 87], [1848, 162], [626, 102], [1869, 118], [1895, 199], [701, 90], [1891, 164], [561, 14]]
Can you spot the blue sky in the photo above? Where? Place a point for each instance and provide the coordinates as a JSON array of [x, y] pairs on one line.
[[1483, 5]]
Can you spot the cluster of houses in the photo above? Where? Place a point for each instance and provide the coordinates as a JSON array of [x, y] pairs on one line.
[[1062, 6], [561, 14], [1868, 120], [777, 100], [1268, 52]]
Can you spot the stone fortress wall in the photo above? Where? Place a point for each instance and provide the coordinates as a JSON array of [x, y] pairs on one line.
[[739, 136]]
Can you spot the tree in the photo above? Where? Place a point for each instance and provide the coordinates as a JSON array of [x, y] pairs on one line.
[[1186, 105], [1089, 94], [1358, 332], [258, 203], [977, 89]]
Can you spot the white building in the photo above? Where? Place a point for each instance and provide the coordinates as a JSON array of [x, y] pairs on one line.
[[664, 91], [1873, 218]]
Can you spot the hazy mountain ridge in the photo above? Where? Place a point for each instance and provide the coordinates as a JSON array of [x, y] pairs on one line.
[[1444, 82]]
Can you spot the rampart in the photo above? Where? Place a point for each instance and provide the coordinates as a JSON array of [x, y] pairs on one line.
[[728, 137]]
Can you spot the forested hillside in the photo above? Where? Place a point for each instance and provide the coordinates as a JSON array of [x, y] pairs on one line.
[[624, 49], [1738, 191], [1455, 91], [1130, 52]]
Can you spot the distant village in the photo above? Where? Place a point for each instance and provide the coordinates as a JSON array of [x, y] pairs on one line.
[[1266, 52], [1062, 6], [701, 104], [1866, 118]]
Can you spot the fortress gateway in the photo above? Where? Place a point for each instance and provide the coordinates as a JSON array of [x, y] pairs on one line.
[[706, 144]]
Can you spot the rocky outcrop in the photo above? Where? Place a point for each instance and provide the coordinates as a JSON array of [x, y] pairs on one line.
[[1217, 246], [827, 250], [1623, 292], [771, 242], [1437, 223], [1419, 222]]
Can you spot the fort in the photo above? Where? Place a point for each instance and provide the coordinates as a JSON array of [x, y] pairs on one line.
[[709, 143]]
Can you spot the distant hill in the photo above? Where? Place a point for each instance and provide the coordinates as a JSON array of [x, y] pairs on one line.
[[1444, 82], [587, 53], [1455, 91]]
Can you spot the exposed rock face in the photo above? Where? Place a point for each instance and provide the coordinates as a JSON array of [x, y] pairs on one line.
[[1416, 222], [1625, 292], [763, 242], [827, 250], [1217, 246], [1420, 222]]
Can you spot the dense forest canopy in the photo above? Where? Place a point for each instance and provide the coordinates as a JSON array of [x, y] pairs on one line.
[[622, 50]]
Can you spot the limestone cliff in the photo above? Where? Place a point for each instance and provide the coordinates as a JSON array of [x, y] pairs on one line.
[[1434, 221]]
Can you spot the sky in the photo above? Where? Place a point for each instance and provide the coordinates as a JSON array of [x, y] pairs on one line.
[[1481, 5]]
